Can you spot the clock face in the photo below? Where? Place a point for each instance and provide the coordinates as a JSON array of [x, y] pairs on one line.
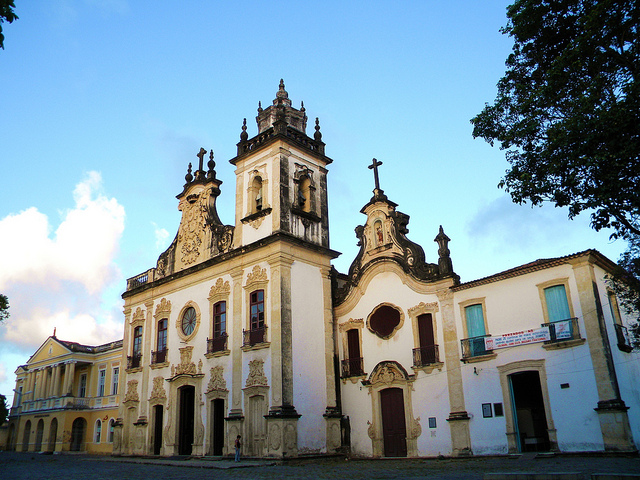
[[189, 321]]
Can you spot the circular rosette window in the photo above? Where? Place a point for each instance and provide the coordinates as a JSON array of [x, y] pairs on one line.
[[384, 320]]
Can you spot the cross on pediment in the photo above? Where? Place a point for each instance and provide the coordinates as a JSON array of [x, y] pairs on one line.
[[374, 166]]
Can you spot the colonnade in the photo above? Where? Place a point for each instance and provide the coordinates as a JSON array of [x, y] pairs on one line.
[[51, 381]]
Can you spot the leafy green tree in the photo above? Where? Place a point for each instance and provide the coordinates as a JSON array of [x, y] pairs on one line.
[[4, 409], [568, 109], [6, 14], [4, 307], [626, 285]]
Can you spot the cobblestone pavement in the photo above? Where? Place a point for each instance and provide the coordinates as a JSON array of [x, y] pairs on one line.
[[18, 466]]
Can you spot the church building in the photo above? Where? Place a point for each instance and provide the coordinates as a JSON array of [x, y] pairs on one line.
[[246, 329]]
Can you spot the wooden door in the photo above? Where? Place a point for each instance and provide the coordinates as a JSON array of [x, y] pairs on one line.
[[427, 341], [157, 429], [187, 406], [394, 430]]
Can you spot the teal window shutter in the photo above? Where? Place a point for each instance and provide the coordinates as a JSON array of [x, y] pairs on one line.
[[557, 304], [475, 321]]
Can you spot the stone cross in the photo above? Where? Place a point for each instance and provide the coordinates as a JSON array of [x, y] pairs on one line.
[[374, 166], [200, 155]]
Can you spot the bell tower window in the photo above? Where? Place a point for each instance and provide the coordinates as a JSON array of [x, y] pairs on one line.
[[304, 194], [256, 190]]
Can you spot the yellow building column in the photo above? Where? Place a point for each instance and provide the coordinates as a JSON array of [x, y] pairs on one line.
[[31, 380], [612, 411], [56, 380], [72, 372], [458, 417]]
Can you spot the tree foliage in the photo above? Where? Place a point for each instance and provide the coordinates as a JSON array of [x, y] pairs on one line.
[[626, 285], [4, 409], [4, 307], [6, 14], [568, 109]]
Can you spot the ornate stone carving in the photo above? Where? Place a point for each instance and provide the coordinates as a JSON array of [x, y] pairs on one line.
[[290, 440], [423, 308], [200, 367], [138, 315], [256, 374], [257, 275], [219, 289], [387, 374], [416, 428], [158, 392], [164, 307], [186, 366], [371, 430], [256, 222], [274, 436], [132, 391], [217, 381], [351, 323], [192, 226]]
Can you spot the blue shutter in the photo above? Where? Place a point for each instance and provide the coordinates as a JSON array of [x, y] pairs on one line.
[[475, 321], [557, 304]]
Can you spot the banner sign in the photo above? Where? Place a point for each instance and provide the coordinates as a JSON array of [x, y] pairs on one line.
[[524, 337]]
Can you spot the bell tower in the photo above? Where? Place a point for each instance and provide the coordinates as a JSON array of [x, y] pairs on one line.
[[281, 177]]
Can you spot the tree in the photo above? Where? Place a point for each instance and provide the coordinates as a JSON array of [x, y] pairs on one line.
[[626, 285], [568, 109], [4, 307], [6, 14], [4, 409]]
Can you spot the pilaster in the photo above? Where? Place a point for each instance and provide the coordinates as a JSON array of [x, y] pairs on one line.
[[611, 409], [236, 352], [458, 418]]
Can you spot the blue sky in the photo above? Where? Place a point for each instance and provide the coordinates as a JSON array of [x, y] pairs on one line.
[[105, 102]]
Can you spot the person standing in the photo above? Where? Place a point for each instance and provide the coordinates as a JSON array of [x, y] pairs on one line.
[[238, 447]]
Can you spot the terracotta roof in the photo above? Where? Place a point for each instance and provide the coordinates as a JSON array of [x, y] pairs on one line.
[[78, 347], [540, 264]]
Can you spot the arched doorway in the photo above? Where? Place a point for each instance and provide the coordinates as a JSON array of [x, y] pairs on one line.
[[158, 413], [26, 435], [217, 427], [53, 433], [11, 438], [394, 428], [78, 431], [529, 416], [186, 419], [39, 434]]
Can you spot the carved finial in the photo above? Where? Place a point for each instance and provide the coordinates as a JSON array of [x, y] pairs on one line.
[[444, 261], [282, 93], [259, 107], [211, 174], [317, 136], [188, 177], [244, 135], [302, 109], [54, 332]]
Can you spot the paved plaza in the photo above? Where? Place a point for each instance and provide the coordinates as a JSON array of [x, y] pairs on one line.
[[17, 466]]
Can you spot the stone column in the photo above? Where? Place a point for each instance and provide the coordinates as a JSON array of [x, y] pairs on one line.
[[49, 375], [332, 414], [30, 383], [56, 381], [147, 332], [458, 417], [282, 421], [69, 382], [236, 337], [612, 411]]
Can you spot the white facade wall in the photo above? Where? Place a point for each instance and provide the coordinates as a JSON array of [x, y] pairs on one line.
[[309, 369]]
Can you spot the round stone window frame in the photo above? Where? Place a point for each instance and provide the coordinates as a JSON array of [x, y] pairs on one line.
[[184, 309]]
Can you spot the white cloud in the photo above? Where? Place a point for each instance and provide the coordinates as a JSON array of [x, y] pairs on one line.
[[161, 235], [82, 249]]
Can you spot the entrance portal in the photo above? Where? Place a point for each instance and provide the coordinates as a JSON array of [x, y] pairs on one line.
[[53, 433], [157, 429], [257, 425], [217, 427], [186, 419], [39, 434], [78, 429], [529, 419], [394, 430]]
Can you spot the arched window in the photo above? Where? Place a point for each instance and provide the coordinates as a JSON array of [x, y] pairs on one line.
[[160, 355], [258, 195], [137, 341], [112, 425], [220, 319], [98, 431], [304, 194]]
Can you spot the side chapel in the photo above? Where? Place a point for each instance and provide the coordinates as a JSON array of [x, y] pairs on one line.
[[246, 329]]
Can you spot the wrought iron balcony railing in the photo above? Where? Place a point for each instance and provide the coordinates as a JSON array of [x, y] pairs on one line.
[[352, 367], [425, 355], [474, 347], [563, 330], [134, 361], [159, 356], [623, 338], [254, 336], [217, 344]]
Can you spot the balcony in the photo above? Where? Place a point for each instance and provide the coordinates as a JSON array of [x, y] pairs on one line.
[[254, 336], [217, 344], [134, 361], [159, 356], [352, 367], [474, 347], [623, 338], [427, 355], [563, 330]]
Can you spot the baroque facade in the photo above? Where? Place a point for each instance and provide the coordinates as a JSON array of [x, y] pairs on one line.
[[66, 398], [248, 330]]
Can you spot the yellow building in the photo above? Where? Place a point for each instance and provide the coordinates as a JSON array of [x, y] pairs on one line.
[[66, 398]]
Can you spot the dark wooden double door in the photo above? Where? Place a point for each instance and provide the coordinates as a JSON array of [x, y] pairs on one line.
[[394, 429]]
